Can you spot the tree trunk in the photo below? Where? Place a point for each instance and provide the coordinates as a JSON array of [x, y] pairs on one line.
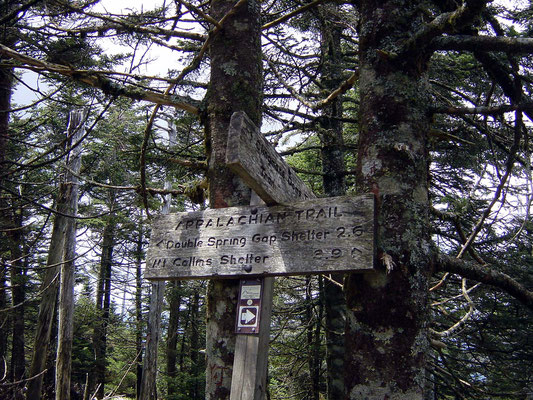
[[45, 318], [174, 301], [333, 167], [185, 329], [149, 378], [62, 224], [148, 384], [4, 323], [103, 303], [138, 309], [6, 86], [387, 309], [194, 393], [66, 291], [235, 85], [313, 343], [18, 294]]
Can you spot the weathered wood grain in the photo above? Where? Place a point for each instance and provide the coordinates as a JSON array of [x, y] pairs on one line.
[[309, 237], [256, 161]]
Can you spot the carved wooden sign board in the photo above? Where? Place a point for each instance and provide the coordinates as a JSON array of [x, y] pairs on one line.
[[309, 237], [256, 161]]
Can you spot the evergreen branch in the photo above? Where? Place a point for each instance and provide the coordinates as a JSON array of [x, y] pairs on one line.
[[292, 91], [452, 298], [200, 165], [292, 112], [466, 317], [483, 110], [486, 275], [509, 164], [205, 16], [502, 75], [483, 43], [152, 191], [55, 211], [292, 14], [13, 14], [290, 152], [441, 135], [343, 88], [307, 172], [95, 80], [450, 22], [123, 26]]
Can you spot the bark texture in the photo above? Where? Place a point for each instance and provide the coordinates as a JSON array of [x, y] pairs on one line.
[[174, 301], [148, 385], [235, 85], [387, 310]]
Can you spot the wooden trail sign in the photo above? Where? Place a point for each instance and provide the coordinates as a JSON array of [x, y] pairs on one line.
[[256, 161], [314, 236]]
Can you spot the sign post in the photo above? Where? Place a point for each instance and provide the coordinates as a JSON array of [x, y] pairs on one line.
[[251, 157], [294, 234]]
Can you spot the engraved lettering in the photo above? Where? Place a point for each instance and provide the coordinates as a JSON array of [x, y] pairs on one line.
[[317, 235], [258, 238], [247, 259], [321, 214]]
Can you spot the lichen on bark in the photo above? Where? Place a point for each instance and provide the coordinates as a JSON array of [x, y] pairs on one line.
[[387, 309], [235, 85]]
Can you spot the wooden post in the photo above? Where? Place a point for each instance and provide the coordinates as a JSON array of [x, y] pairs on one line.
[[245, 142], [250, 365]]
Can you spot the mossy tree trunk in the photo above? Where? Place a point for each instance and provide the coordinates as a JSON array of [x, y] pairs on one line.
[[235, 85], [386, 333]]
